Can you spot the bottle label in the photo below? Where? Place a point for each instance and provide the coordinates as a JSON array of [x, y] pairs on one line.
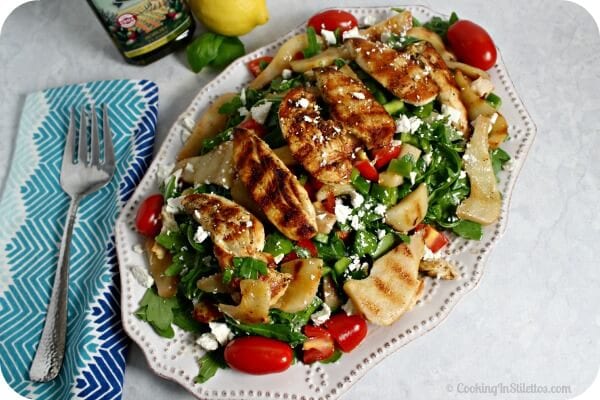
[[140, 26]]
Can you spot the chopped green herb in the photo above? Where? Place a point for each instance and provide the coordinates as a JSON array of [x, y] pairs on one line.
[[313, 47], [494, 100]]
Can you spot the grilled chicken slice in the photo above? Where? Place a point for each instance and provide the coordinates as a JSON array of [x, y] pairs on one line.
[[273, 187], [398, 24], [397, 71], [449, 95], [392, 287], [352, 105], [321, 146], [234, 231]]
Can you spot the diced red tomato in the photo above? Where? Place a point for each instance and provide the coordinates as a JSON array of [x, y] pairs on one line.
[[299, 55], [343, 234], [254, 126], [348, 331], [289, 257], [383, 156], [329, 203], [319, 346], [332, 20], [258, 355], [472, 44], [312, 186], [434, 239], [367, 170], [148, 221], [254, 65], [308, 245]]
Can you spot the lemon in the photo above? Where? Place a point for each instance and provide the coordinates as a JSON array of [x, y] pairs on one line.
[[230, 17]]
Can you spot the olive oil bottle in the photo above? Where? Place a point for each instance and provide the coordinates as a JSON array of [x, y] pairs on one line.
[[145, 30]]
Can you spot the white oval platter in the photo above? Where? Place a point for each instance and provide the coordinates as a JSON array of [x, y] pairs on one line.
[[176, 359]]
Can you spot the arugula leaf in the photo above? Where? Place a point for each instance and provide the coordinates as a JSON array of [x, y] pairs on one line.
[[468, 230], [279, 331], [216, 140], [440, 25], [209, 364], [333, 250], [169, 190], [499, 157], [158, 312], [245, 268], [299, 319], [313, 47]]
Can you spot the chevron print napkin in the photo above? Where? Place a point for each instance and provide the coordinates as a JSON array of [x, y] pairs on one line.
[[33, 209]]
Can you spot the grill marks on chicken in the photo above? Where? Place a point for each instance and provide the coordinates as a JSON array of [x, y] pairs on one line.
[[322, 146], [277, 191], [352, 105], [397, 71]]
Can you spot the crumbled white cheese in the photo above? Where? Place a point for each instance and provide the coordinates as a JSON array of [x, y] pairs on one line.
[[355, 223], [452, 113], [141, 275], [138, 249], [286, 73], [405, 124], [200, 235], [482, 86], [328, 36], [428, 255], [261, 111], [380, 209], [462, 175], [221, 332], [385, 36], [342, 212], [208, 342], [354, 263], [381, 233], [189, 168], [358, 95], [249, 223], [319, 317], [243, 111], [188, 123], [349, 308], [352, 33], [164, 171], [174, 205], [243, 96], [427, 158], [396, 142], [413, 176], [278, 258], [308, 119], [356, 199], [369, 20], [302, 103]]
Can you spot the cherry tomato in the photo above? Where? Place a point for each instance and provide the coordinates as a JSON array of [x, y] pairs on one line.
[[347, 330], [258, 355], [148, 221], [434, 239], [472, 44], [308, 245], [332, 20], [254, 65], [254, 126], [319, 346], [383, 156], [367, 170]]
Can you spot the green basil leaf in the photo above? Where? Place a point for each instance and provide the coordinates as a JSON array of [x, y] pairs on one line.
[[230, 49], [203, 50]]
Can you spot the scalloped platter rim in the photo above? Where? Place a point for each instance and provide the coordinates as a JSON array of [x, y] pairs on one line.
[[176, 359]]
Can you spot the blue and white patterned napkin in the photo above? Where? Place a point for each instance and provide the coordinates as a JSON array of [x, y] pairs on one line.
[[33, 208]]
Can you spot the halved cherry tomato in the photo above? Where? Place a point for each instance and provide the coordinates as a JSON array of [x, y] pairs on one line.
[[347, 330], [332, 20], [472, 44], [319, 346], [148, 221], [433, 238], [329, 203], [254, 65], [258, 355], [308, 245], [383, 156], [367, 170], [252, 125]]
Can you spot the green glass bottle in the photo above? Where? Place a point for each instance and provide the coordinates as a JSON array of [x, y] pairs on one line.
[[145, 30]]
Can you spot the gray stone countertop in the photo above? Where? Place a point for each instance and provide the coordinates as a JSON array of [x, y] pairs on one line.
[[534, 319]]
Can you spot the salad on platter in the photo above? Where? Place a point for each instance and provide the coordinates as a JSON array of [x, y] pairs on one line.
[[315, 201]]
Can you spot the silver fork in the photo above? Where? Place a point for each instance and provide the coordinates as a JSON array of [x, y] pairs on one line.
[[78, 178]]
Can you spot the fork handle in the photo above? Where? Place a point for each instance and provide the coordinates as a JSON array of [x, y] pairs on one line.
[[51, 349]]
